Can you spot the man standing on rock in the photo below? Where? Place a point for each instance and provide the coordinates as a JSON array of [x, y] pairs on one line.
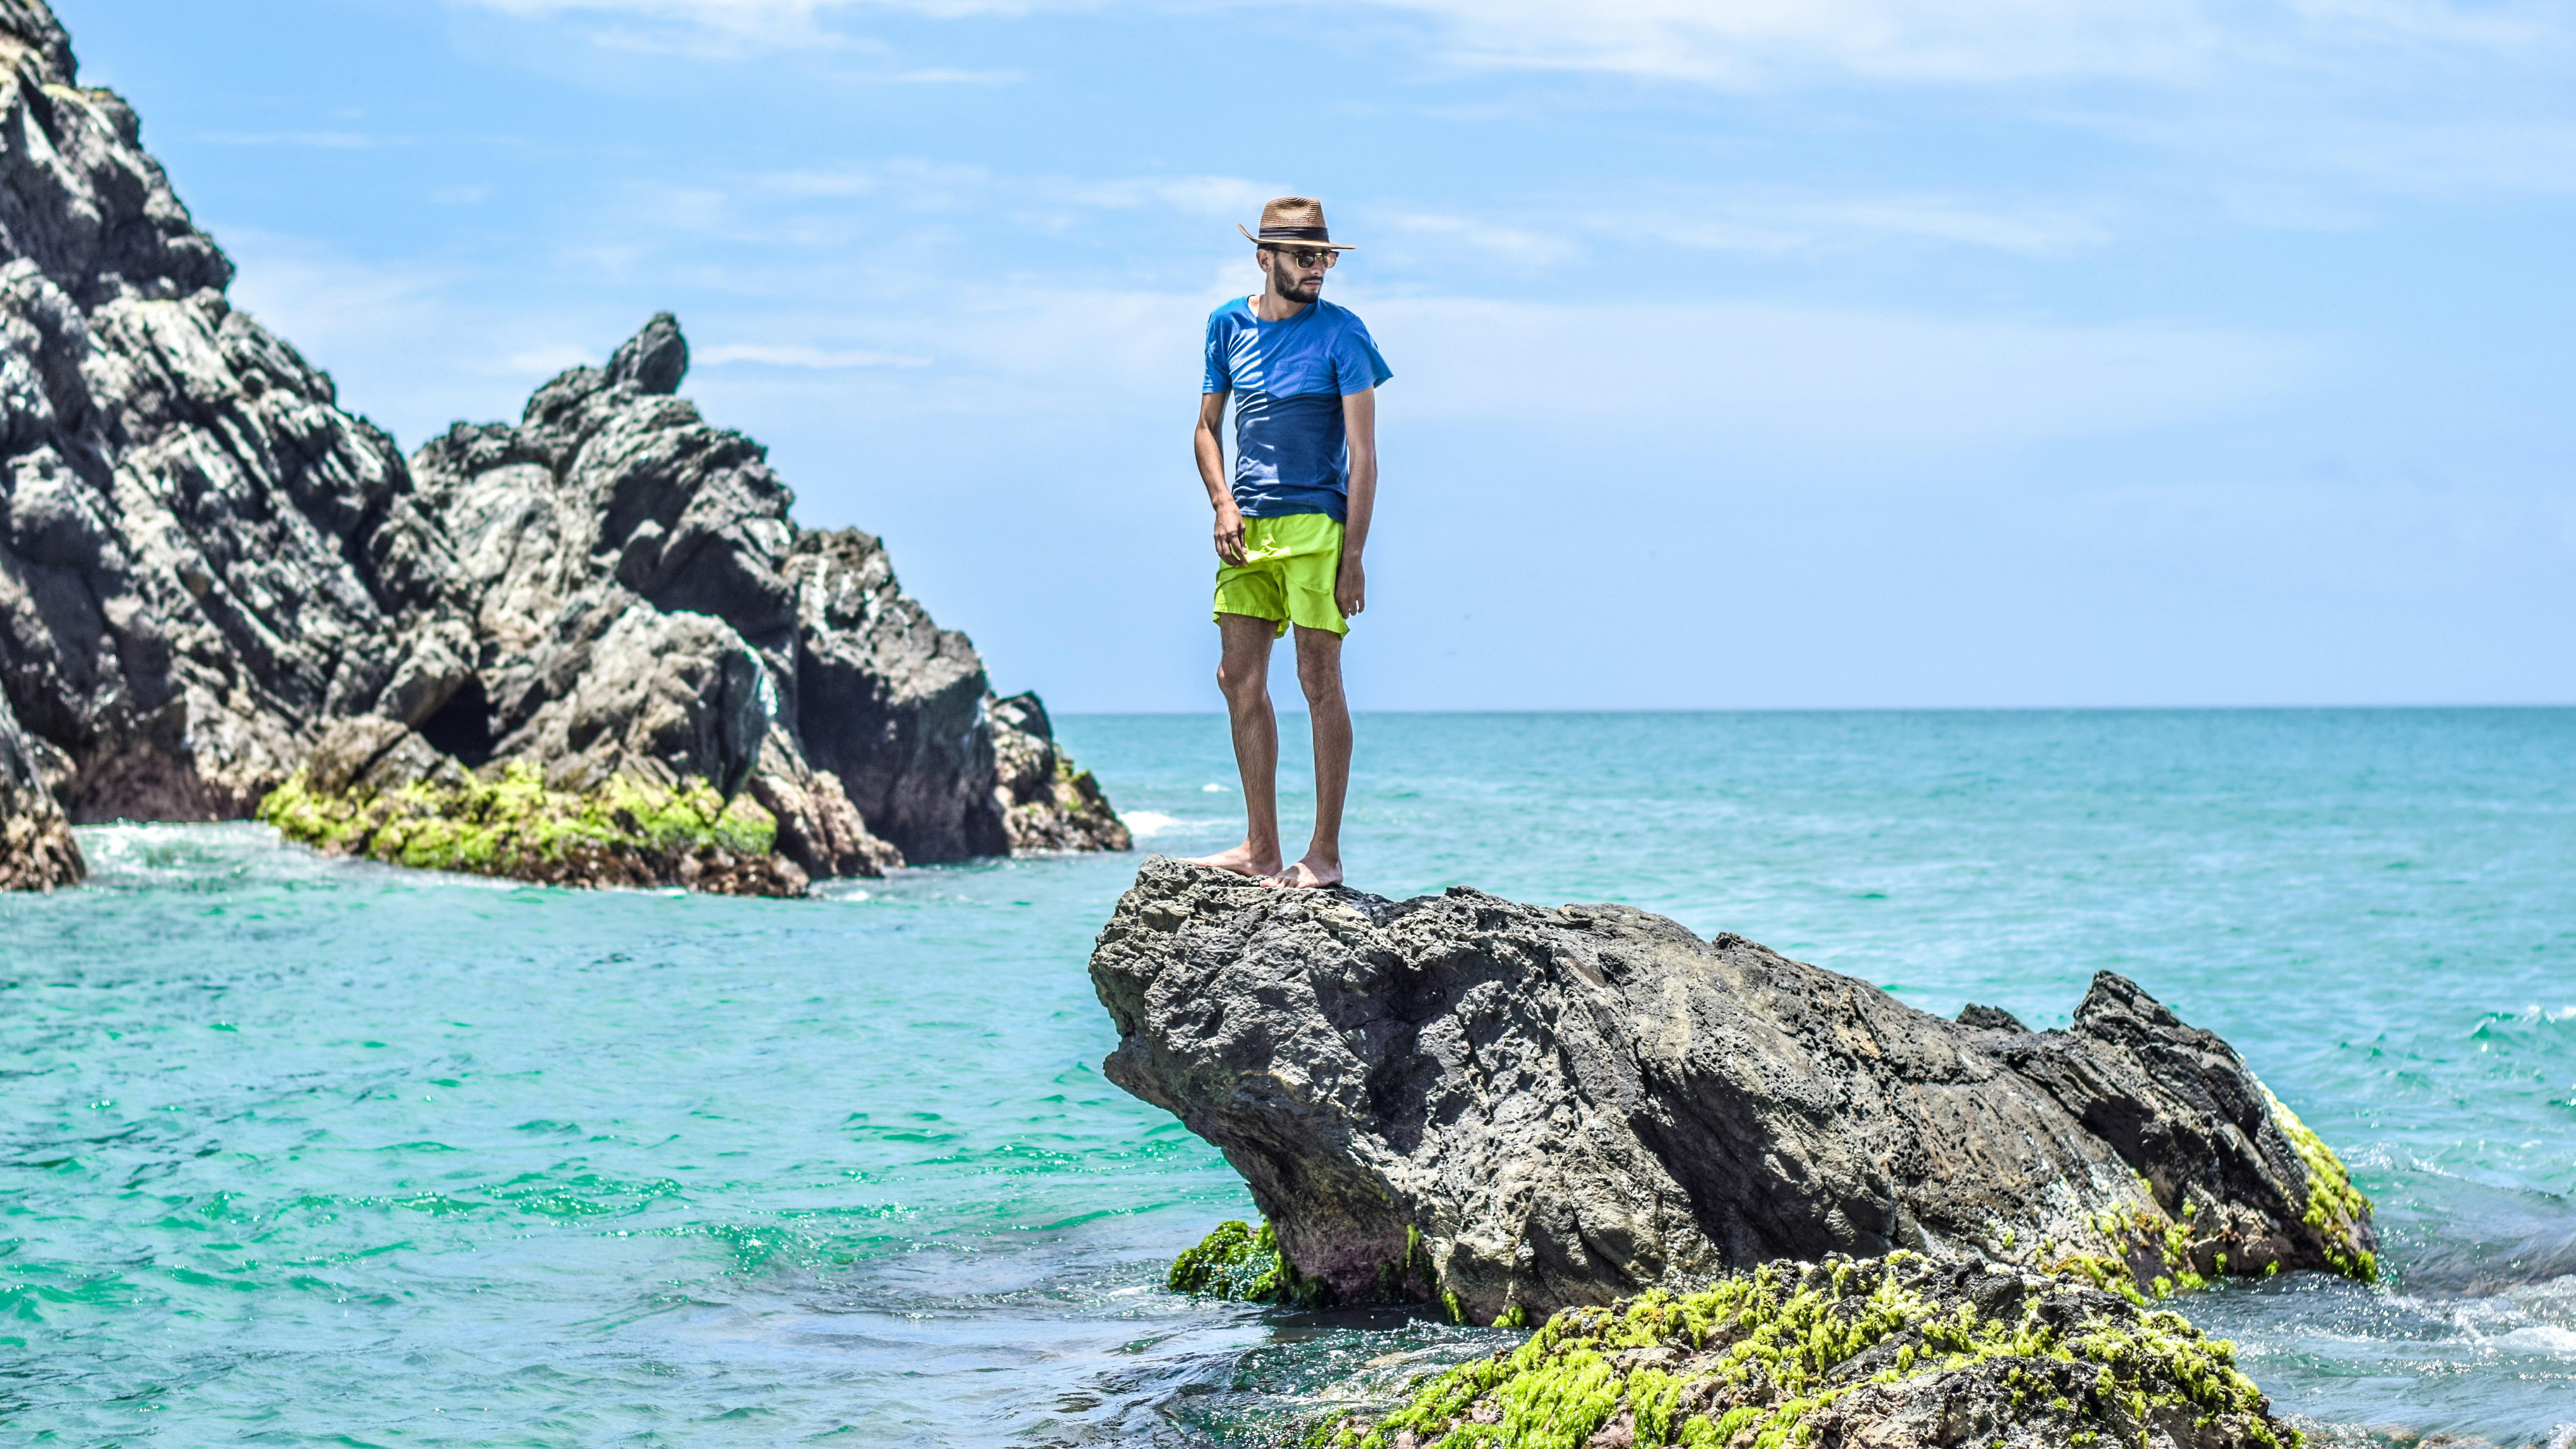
[[1291, 523]]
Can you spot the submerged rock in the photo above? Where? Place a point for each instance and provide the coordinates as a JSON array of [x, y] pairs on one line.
[[1900, 1352], [205, 562], [1510, 1110]]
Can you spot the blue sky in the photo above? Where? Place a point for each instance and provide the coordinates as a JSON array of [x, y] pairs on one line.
[[1777, 353]]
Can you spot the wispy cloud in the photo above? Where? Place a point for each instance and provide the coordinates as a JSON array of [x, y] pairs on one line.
[[318, 140], [1831, 383], [1768, 42], [745, 27], [797, 355], [1766, 222]]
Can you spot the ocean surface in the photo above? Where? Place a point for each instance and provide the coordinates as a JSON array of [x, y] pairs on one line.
[[297, 1151]]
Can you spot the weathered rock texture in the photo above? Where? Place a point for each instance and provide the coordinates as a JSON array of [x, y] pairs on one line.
[[1513, 1110], [205, 562], [1901, 1352], [37, 852]]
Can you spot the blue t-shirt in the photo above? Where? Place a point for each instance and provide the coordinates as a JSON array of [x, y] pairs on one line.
[[1288, 380]]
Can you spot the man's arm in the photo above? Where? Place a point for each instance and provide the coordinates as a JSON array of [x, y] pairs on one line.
[[1211, 454], [1359, 425]]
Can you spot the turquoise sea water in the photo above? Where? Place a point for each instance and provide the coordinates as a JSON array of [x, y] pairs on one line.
[[300, 1151]]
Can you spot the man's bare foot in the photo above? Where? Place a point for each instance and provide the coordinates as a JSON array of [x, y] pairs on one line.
[[1242, 861], [1312, 873]]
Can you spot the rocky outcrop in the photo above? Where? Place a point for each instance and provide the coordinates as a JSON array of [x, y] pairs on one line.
[[1512, 1110], [202, 552], [1047, 802], [205, 562], [37, 852], [375, 788], [1902, 1352]]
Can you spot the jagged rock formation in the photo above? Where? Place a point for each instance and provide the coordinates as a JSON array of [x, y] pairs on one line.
[[1901, 1352], [205, 562], [1512, 1110]]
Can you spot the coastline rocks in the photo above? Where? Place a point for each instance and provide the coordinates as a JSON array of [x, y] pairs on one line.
[[1510, 1110], [201, 551], [1047, 803], [205, 563], [375, 788], [37, 852], [1900, 1352]]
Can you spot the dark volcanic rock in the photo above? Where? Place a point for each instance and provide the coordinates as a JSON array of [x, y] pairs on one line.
[[1523, 1109], [892, 703], [205, 562]]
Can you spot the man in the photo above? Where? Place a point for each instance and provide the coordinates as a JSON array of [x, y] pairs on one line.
[[1292, 521]]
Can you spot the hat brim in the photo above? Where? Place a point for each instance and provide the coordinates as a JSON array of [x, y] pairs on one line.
[[1301, 246]]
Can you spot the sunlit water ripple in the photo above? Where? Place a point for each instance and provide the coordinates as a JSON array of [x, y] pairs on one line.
[[303, 1151]]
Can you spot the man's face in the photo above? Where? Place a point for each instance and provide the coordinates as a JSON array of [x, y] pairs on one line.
[[1296, 273]]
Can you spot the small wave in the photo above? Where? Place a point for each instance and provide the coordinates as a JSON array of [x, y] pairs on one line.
[[132, 854], [1146, 824]]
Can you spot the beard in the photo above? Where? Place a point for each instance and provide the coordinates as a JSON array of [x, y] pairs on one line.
[[1295, 288]]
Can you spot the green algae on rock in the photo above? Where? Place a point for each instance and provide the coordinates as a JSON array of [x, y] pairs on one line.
[[1233, 1261], [1895, 1351], [383, 794], [2335, 1207]]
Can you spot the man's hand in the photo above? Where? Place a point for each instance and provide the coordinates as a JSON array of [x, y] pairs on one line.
[[1229, 533], [1350, 586]]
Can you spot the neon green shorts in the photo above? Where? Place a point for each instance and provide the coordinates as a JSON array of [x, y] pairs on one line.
[[1287, 574]]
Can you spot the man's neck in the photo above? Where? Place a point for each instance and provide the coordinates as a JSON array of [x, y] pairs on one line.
[[1269, 306]]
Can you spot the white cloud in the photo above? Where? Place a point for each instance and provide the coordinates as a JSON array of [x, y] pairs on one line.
[[1819, 382], [797, 355], [1765, 221], [742, 27], [318, 140], [1754, 42]]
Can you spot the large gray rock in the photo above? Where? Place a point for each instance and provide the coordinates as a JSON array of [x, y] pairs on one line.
[[1463, 1098], [205, 562]]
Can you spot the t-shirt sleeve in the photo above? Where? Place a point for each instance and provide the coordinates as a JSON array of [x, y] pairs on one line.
[[1357, 365], [1220, 371]]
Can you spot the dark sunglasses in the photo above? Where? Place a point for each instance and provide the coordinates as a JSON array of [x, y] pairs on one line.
[[1306, 258]]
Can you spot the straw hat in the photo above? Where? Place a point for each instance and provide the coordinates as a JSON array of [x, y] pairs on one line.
[[1294, 221]]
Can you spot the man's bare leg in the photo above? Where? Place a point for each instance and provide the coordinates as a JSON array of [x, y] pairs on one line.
[[1319, 672], [1244, 674]]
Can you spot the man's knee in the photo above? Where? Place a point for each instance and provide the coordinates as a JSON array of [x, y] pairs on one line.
[[1237, 678], [1320, 675]]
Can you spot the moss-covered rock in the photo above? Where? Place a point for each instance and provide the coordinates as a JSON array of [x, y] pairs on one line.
[[1236, 1262], [507, 822], [2336, 1208], [1889, 1352]]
